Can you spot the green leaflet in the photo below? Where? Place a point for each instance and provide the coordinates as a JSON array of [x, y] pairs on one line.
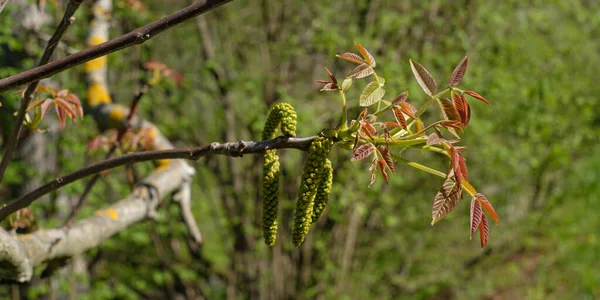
[[282, 116], [311, 175]]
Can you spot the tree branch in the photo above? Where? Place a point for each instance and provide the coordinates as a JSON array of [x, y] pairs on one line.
[[233, 149], [11, 144], [135, 37]]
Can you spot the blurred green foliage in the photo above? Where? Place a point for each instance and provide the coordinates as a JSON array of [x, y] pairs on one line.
[[533, 152]]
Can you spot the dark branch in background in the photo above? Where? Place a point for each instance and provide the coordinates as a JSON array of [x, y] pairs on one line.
[[11, 144], [135, 37], [234, 149], [122, 130]]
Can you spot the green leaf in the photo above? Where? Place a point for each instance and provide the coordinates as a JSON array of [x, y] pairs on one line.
[[346, 84], [371, 94]]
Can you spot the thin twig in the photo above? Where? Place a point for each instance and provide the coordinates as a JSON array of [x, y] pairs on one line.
[[233, 149], [11, 144], [122, 130], [135, 37]]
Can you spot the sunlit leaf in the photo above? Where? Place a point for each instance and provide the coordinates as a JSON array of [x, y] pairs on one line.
[[488, 207], [400, 98], [458, 72], [420, 126], [366, 55], [423, 77], [445, 200], [475, 216], [363, 151], [67, 107], [484, 230], [351, 57], [477, 96], [361, 71], [371, 94]]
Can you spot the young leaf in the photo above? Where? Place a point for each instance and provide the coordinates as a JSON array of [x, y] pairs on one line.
[[408, 109], [361, 71], [458, 72], [450, 113], [434, 139], [423, 77], [346, 84], [477, 96], [399, 117], [488, 207], [366, 55], [351, 57], [381, 164], [363, 151], [445, 200], [463, 108], [475, 216], [387, 158], [484, 230], [329, 87], [400, 98], [371, 94], [62, 116], [331, 76]]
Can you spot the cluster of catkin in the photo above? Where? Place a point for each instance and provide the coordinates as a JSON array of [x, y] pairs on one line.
[[315, 185]]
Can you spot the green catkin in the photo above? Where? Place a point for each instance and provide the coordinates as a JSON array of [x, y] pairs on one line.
[[311, 175], [282, 115], [323, 191]]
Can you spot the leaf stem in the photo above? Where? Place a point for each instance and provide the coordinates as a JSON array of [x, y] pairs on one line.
[[344, 111]]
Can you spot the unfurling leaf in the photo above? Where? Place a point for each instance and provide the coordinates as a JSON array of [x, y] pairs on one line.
[[381, 164], [363, 151], [445, 200], [400, 98], [351, 57], [458, 72], [331, 76], [423, 77], [449, 110], [329, 87], [463, 108], [484, 230], [399, 117], [371, 94], [346, 84], [361, 71], [477, 96], [366, 55], [459, 165], [387, 158], [488, 207], [475, 216]]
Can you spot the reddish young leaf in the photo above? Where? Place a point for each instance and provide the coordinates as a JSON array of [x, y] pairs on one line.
[[477, 96], [400, 98], [323, 81], [408, 109], [392, 124], [484, 230], [459, 165], [445, 200], [366, 55], [463, 108], [434, 139], [62, 116], [381, 164], [485, 203], [46, 106], [363, 151], [370, 127], [387, 158], [67, 107], [458, 72], [448, 109], [423, 77], [73, 99], [351, 57], [329, 87], [331, 76], [475, 216], [399, 117], [361, 71]]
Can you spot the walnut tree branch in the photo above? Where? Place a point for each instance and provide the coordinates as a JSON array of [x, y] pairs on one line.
[[234, 149], [135, 37], [11, 144]]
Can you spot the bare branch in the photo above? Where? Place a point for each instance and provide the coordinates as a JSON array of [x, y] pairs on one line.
[[135, 37], [11, 144], [233, 149]]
